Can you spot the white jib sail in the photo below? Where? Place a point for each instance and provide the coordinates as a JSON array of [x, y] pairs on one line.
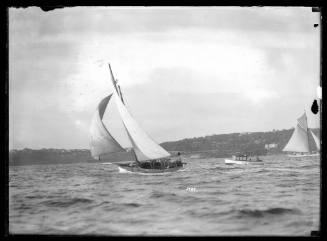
[[145, 148], [299, 141], [101, 142], [316, 139]]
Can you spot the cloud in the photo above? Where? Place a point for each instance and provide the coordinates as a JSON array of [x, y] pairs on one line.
[[126, 20], [184, 71]]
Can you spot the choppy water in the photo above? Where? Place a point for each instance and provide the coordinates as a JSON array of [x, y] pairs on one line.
[[281, 197]]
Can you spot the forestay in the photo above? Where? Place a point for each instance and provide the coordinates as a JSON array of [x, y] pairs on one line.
[[101, 142]]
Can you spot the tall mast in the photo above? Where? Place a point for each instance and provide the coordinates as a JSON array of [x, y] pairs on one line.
[[112, 78], [117, 87], [115, 84], [121, 95]]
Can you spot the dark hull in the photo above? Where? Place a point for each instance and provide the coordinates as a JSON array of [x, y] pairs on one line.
[[138, 169]]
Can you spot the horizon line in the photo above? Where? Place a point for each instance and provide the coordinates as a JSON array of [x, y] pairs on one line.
[[244, 132]]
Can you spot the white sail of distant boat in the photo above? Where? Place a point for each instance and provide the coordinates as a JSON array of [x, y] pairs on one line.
[[299, 141], [144, 147], [316, 139], [101, 141]]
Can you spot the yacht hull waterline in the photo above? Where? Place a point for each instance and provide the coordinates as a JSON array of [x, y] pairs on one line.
[[303, 155], [137, 169]]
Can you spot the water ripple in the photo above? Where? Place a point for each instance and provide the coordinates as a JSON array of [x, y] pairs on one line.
[[207, 198]]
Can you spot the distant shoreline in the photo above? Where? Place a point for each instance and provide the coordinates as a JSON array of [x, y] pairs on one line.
[[214, 146]]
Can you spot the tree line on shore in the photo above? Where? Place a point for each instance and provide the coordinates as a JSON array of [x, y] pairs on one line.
[[222, 145]]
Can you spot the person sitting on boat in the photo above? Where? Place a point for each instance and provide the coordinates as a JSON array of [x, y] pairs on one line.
[[163, 163], [157, 164], [143, 164], [166, 161], [179, 160], [179, 163], [152, 163], [148, 165], [171, 164]]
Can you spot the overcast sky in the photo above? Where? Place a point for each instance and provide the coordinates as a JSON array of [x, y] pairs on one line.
[[184, 71]]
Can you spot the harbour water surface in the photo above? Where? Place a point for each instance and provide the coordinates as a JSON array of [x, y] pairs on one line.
[[279, 197]]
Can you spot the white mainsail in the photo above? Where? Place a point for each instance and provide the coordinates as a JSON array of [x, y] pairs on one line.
[[299, 141], [101, 141], [316, 139], [145, 148]]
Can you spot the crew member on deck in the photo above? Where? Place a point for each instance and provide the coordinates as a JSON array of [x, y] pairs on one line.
[[179, 161]]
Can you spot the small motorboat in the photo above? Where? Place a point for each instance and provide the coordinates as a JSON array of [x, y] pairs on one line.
[[243, 160]]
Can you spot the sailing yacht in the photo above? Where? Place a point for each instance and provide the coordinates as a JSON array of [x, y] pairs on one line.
[[149, 157], [298, 144]]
